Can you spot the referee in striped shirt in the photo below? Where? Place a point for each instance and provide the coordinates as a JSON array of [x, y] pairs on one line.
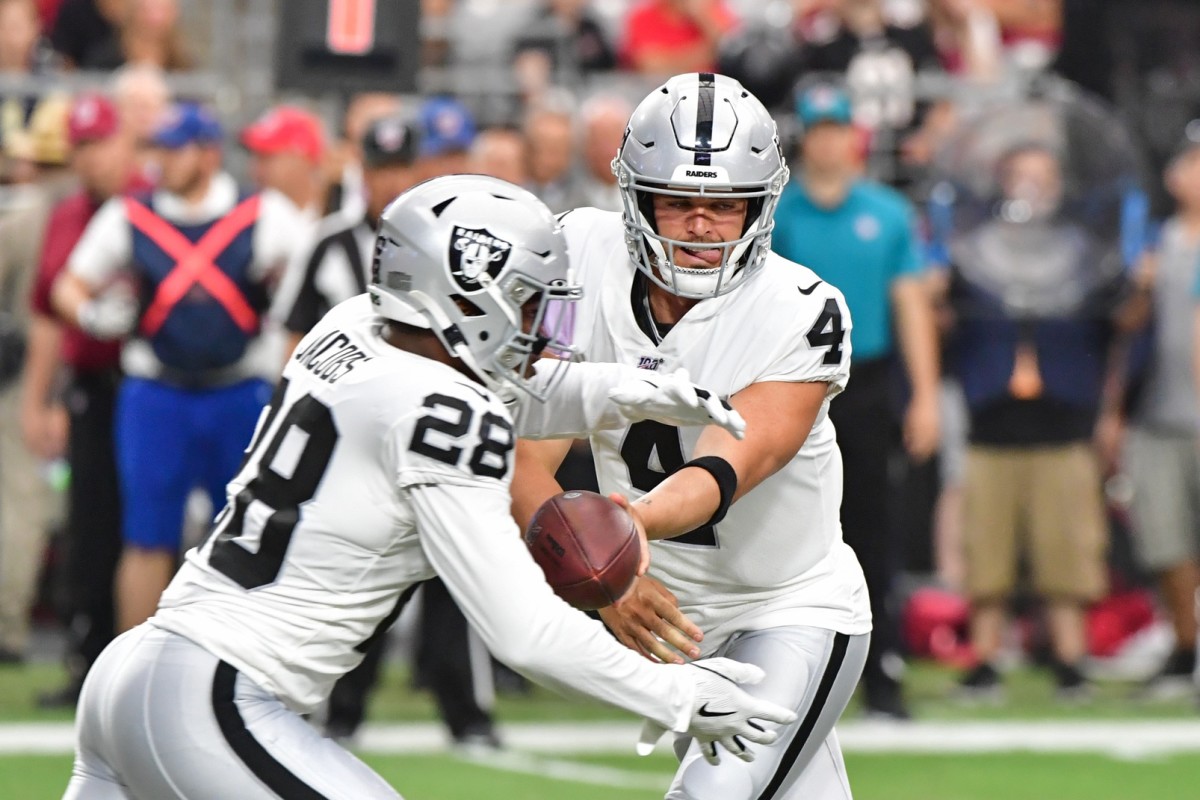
[[337, 265]]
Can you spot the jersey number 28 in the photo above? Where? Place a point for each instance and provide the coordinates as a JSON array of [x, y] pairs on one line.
[[265, 513]]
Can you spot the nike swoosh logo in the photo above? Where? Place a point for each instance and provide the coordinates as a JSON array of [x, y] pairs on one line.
[[704, 712], [810, 289]]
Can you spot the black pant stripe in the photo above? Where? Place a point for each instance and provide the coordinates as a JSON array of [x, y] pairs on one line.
[[836, 656], [276, 776]]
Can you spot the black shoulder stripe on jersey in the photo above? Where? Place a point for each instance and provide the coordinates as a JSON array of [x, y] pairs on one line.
[[275, 775], [837, 656], [705, 102]]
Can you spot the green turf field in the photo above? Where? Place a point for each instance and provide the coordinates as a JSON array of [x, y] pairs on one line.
[[874, 776]]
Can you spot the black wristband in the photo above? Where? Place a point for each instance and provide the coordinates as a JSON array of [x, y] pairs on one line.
[[726, 478]]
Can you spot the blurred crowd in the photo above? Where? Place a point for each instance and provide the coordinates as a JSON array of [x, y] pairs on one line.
[[1016, 231]]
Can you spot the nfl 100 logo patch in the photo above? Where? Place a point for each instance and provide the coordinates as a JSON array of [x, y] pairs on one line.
[[651, 363]]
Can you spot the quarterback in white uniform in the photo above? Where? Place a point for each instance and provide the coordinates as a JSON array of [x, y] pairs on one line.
[[384, 459], [747, 534]]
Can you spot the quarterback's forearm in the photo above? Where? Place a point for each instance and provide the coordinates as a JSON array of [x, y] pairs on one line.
[[687, 499], [778, 415]]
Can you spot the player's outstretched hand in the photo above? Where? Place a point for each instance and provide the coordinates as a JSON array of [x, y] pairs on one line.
[[672, 398], [722, 713]]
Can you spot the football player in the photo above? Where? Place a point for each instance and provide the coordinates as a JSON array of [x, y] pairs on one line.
[[748, 558], [384, 458]]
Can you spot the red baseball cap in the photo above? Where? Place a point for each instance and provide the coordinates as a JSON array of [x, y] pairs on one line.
[[92, 116], [285, 129]]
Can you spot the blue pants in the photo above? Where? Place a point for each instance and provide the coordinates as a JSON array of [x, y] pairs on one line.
[[170, 441]]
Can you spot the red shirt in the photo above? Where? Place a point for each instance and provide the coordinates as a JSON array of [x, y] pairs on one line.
[[652, 26], [63, 230]]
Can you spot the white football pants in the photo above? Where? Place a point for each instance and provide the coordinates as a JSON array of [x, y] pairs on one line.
[[812, 670], [160, 718]]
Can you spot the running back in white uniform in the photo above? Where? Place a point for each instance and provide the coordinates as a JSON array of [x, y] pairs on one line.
[[327, 530], [371, 470], [778, 557]]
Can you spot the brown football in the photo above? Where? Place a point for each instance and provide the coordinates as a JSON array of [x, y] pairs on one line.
[[587, 546]]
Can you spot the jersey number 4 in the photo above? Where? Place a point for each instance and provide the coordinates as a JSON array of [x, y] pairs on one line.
[[289, 467], [643, 440], [827, 331]]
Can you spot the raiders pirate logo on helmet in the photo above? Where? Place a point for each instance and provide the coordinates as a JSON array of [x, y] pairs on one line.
[[474, 254]]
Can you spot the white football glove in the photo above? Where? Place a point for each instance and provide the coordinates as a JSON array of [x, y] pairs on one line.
[[673, 399], [721, 712], [111, 315]]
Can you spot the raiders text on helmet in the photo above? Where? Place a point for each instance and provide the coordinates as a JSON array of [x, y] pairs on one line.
[[700, 134], [461, 255]]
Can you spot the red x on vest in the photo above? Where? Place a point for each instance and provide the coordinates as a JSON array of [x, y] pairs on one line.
[[195, 263]]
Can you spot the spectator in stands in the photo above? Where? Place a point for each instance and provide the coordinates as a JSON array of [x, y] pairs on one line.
[[204, 256], [967, 38], [22, 48], [102, 157], [334, 269], [344, 165], [879, 61], [550, 131], [563, 36], [1031, 31], [22, 52], [501, 153], [86, 33], [1035, 299], [1162, 455], [435, 43], [287, 145], [336, 266], [25, 500], [48, 12], [142, 97], [667, 37], [859, 235], [447, 131], [602, 121], [150, 34]]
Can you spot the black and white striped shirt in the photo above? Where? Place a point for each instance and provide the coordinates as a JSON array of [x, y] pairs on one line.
[[334, 268]]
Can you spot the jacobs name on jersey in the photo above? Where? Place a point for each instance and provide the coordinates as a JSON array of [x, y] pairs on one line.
[[331, 357]]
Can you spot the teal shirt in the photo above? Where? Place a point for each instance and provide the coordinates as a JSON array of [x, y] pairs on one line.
[[860, 247]]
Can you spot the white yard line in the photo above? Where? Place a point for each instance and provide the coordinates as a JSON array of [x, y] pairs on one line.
[[1132, 739], [574, 771]]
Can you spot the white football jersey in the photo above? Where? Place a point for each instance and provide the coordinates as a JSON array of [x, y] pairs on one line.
[[778, 557], [371, 470]]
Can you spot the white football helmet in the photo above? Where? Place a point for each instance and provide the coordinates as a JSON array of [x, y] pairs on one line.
[[462, 255], [700, 134]]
